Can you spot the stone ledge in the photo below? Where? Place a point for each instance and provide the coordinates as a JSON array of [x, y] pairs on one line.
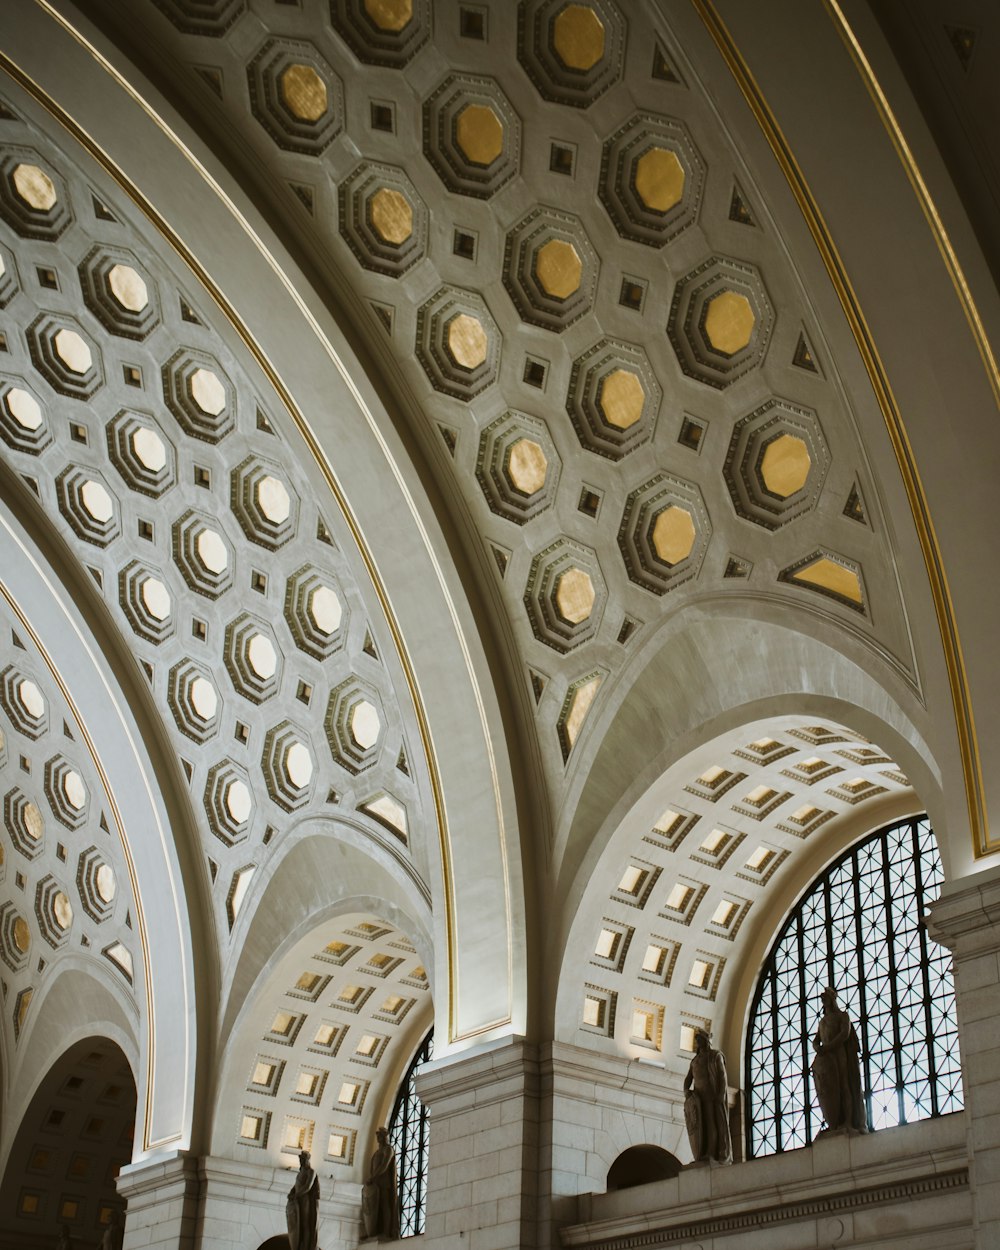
[[833, 1176], [966, 918]]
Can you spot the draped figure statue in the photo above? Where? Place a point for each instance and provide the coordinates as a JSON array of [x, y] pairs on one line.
[[836, 1069], [302, 1207], [706, 1104], [380, 1195]]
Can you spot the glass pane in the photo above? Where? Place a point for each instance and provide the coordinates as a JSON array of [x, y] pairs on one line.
[[860, 925]]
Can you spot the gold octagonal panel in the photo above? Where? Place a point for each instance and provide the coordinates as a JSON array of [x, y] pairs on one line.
[[621, 398], [35, 187], [558, 268], [673, 534], [303, 92], [466, 340], [659, 179], [785, 465], [578, 37], [575, 595], [391, 15], [729, 322], [391, 215], [527, 466], [479, 134]]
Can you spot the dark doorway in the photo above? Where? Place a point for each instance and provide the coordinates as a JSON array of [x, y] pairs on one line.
[[73, 1139], [641, 1164]]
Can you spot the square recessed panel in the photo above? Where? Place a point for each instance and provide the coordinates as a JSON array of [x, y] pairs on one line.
[[597, 1013], [658, 959], [635, 883], [612, 945], [327, 1038]]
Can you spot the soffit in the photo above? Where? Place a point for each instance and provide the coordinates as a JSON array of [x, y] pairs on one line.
[[665, 936], [573, 288], [164, 463]]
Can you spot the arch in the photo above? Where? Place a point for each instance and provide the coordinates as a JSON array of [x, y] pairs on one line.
[[419, 607], [717, 666], [409, 1137], [858, 930], [675, 910], [74, 1135], [641, 1165], [280, 1242], [315, 1054], [127, 759]]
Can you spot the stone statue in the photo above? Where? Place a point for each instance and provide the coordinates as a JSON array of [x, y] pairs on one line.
[[836, 1069], [302, 1207], [114, 1234], [65, 1241], [380, 1196], [706, 1104]]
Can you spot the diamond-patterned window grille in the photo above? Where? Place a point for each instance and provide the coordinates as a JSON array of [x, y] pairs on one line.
[[408, 1135], [858, 929]]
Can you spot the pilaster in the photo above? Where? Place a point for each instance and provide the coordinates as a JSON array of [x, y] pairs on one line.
[[243, 1204], [966, 919], [162, 1197], [484, 1124]]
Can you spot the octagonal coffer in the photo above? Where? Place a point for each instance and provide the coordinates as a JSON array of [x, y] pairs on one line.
[[24, 822], [15, 937], [89, 505], [229, 801], [194, 700], [147, 601], [317, 612], [202, 17], [550, 269], [296, 95], [776, 463], [199, 394], [571, 52], [472, 136], [383, 218], [288, 763], [720, 321], [203, 554], [265, 506], [458, 342], [96, 884], [355, 724], [53, 911], [614, 398], [664, 533], [23, 701], [566, 595], [518, 466], [253, 658], [652, 178], [66, 792], [141, 452], [382, 32], [23, 423], [119, 292], [65, 355], [33, 197]]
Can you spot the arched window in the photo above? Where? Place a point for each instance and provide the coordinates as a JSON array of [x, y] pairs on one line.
[[408, 1130], [858, 929]]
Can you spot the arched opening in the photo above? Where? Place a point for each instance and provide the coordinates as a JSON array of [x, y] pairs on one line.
[[857, 929], [409, 1136], [640, 1165], [73, 1140], [280, 1242]]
